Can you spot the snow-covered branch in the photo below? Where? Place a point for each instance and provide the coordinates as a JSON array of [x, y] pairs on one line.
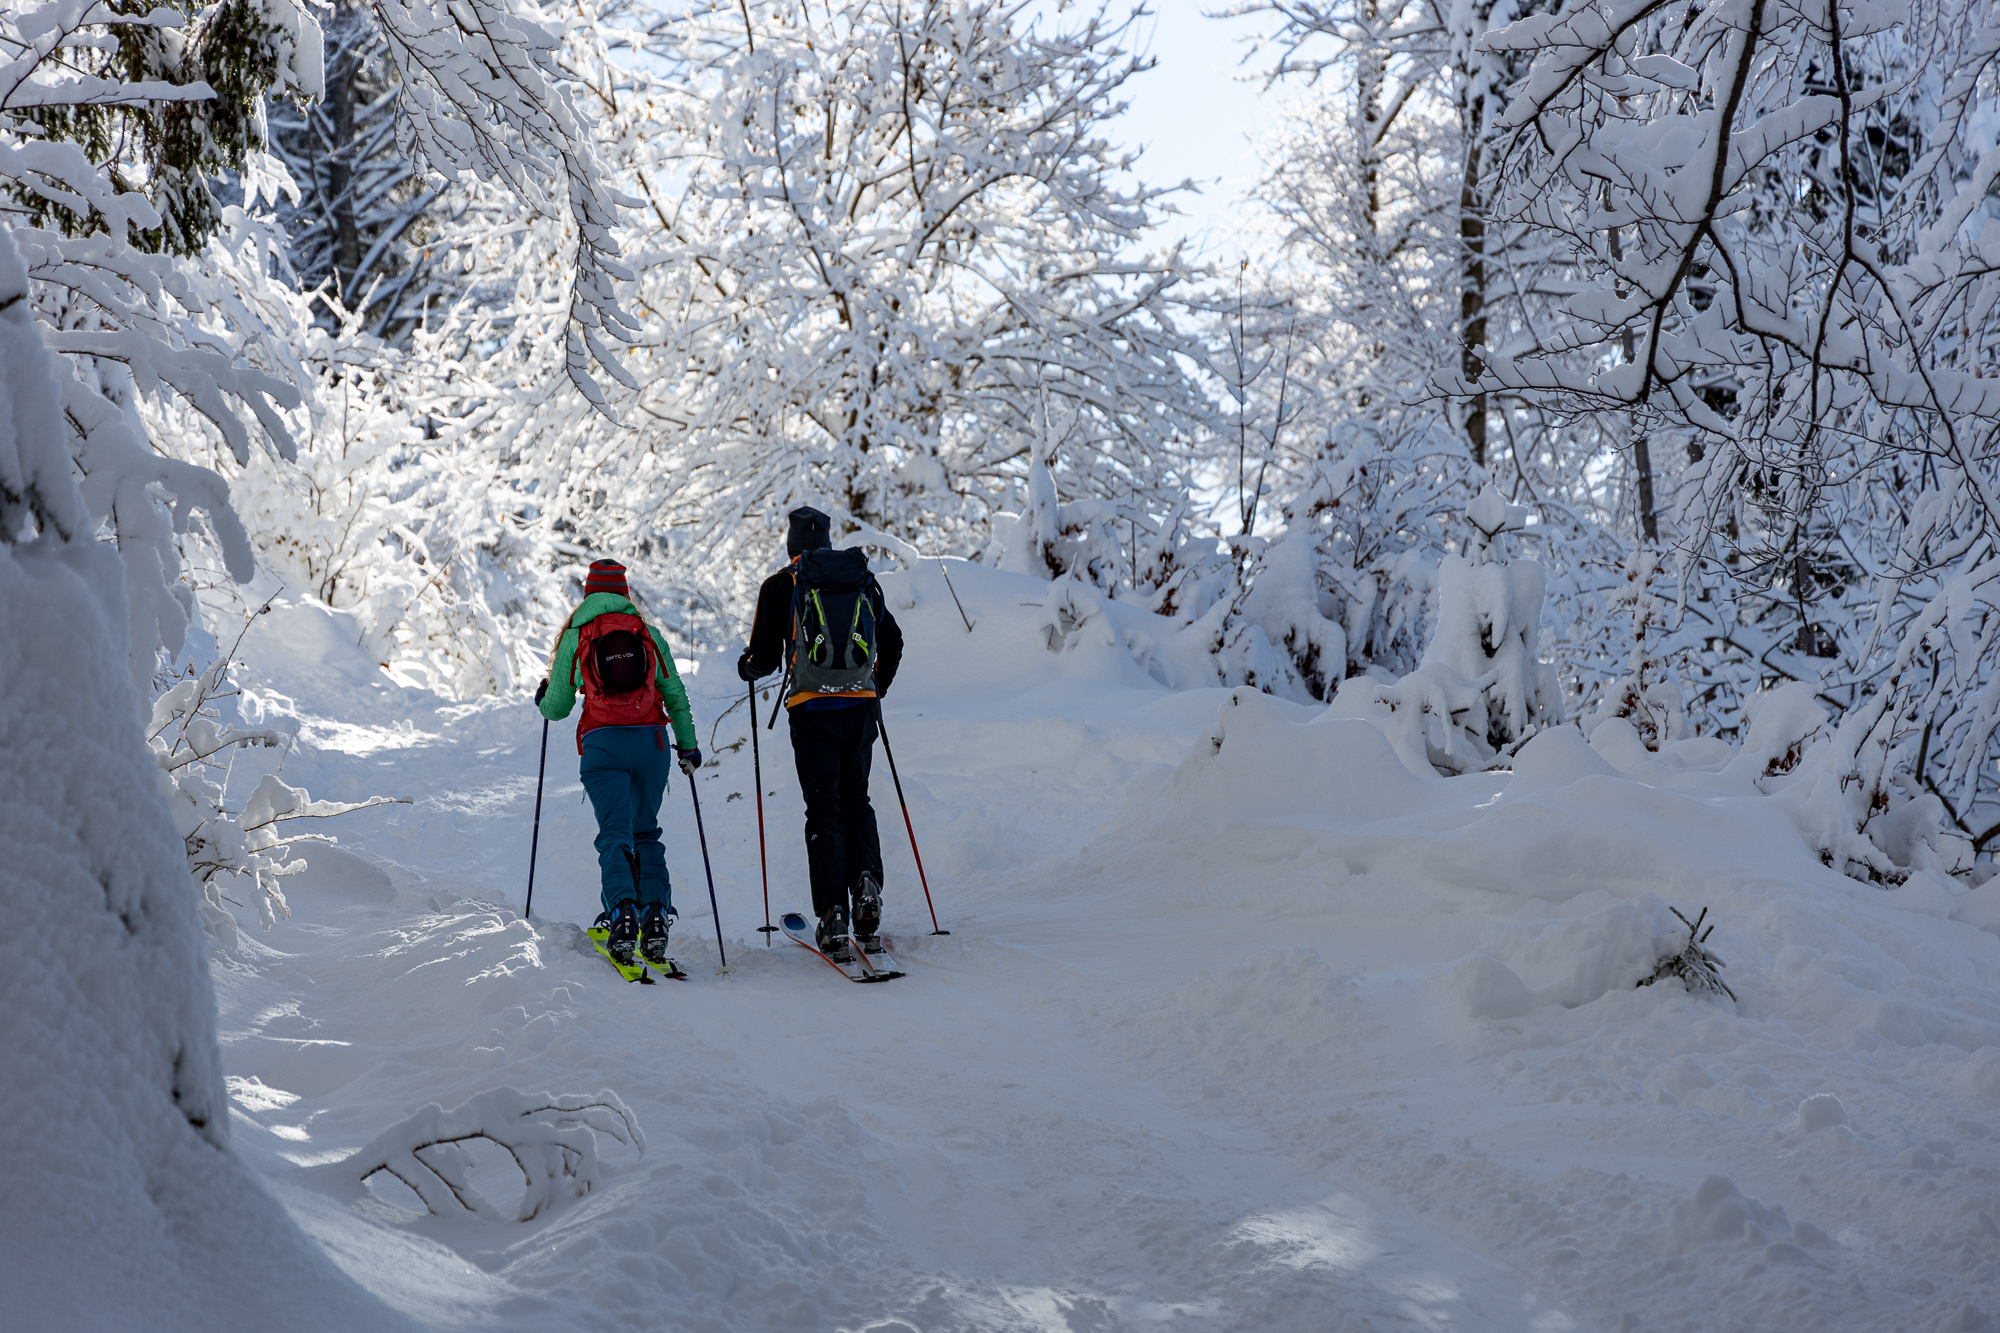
[[483, 98], [552, 1139]]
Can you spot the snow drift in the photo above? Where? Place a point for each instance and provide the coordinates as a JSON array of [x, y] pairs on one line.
[[124, 1205]]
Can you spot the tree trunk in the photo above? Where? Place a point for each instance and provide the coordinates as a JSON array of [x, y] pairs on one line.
[[340, 171], [1642, 455], [1368, 101], [1474, 86], [1472, 291], [1642, 451]]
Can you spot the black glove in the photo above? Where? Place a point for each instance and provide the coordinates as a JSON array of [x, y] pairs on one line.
[[690, 761], [541, 690], [745, 671]]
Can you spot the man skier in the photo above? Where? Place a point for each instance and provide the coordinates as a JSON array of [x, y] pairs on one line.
[[832, 716], [630, 690]]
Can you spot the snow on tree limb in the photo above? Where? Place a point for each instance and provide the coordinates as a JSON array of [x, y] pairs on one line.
[[483, 97]]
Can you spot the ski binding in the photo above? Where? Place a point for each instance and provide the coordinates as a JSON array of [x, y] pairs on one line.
[[866, 965]]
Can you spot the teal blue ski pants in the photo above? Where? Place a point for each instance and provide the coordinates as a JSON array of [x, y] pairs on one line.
[[624, 771]]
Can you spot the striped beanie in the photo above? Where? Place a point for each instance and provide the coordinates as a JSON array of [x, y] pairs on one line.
[[606, 576]]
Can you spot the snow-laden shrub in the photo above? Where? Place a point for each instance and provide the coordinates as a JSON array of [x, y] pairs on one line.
[[1864, 815], [552, 1139], [1051, 539], [244, 848], [1699, 970], [1648, 694], [1347, 585], [1344, 585], [379, 513], [1278, 636], [1481, 688], [372, 522], [1376, 499]]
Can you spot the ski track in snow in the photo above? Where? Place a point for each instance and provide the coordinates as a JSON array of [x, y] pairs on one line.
[[1205, 1049]]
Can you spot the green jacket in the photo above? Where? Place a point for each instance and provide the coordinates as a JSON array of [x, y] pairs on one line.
[[565, 675]]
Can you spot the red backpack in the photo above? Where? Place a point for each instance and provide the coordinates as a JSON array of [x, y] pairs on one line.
[[620, 684]]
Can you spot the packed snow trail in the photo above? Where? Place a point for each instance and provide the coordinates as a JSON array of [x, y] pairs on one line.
[[1241, 1025]]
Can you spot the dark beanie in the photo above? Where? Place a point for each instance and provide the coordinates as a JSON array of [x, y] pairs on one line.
[[810, 531], [606, 576]]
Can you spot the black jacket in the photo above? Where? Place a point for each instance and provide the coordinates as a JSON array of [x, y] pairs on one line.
[[771, 630]]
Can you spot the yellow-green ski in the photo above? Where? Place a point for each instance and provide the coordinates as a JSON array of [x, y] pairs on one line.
[[600, 939]]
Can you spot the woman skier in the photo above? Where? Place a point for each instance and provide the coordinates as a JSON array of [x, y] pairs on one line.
[[630, 692]]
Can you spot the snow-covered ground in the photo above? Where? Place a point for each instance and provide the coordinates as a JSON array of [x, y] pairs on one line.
[[1240, 1025]]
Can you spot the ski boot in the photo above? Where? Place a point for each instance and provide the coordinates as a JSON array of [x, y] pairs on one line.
[[831, 937], [621, 925], [653, 927], [867, 910]]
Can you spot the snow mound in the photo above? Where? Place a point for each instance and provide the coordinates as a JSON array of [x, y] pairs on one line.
[[1528, 906], [1490, 989], [125, 1204], [1576, 960], [1273, 761], [1555, 758], [1822, 1110]]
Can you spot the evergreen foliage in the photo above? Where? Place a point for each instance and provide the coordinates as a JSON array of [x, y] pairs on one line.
[[206, 71]]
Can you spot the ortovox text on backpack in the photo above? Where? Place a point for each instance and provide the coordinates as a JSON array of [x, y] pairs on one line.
[[620, 660]]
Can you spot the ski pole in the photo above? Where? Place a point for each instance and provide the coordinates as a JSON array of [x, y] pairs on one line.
[[907, 826], [709, 870], [954, 596], [763, 864], [535, 843], [784, 687]]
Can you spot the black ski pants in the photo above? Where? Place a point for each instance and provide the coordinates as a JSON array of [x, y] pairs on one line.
[[833, 748]]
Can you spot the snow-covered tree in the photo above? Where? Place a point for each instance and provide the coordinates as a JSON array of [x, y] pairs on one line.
[[483, 99], [874, 236], [1384, 275], [114, 123], [1786, 213], [1415, 101]]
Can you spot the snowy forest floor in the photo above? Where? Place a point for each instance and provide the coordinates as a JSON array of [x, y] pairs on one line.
[[1266, 1035]]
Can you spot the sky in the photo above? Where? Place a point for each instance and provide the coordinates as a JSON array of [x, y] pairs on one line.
[[1193, 115]]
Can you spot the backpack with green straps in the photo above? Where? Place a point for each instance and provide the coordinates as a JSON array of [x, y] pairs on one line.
[[833, 624]]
